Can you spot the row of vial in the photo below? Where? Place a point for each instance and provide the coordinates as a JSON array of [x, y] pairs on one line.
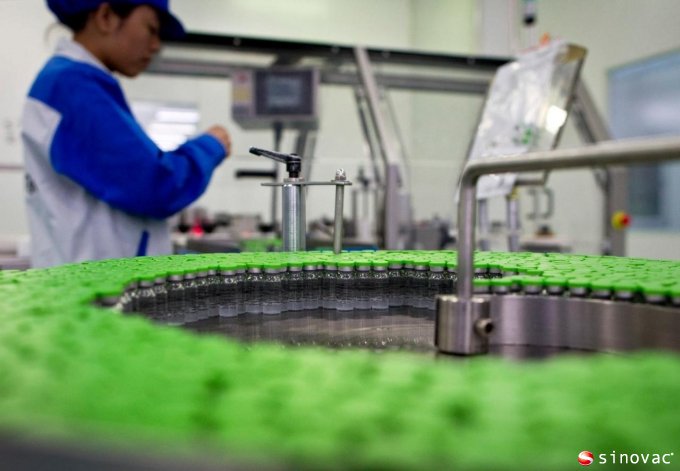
[[274, 288]]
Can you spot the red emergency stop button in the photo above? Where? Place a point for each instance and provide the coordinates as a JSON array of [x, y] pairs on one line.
[[621, 220]]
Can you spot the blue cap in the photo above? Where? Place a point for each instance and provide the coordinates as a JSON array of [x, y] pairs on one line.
[[171, 28]]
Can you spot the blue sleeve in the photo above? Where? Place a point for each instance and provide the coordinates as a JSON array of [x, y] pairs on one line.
[[99, 145]]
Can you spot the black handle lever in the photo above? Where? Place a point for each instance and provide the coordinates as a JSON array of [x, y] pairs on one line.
[[293, 161]]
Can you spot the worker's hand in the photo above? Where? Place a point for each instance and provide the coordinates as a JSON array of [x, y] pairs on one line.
[[221, 134]]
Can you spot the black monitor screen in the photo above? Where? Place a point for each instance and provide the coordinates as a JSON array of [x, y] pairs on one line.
[[284, 93]]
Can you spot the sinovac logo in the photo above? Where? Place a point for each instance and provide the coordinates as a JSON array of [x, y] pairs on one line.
[[586, 458]]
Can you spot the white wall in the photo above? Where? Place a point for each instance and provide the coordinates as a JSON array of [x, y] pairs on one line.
[[442, 123], [616, 33], [25, 46], [374, 22]]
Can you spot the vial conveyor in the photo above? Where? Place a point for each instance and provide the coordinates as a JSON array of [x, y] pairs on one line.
[[84, 386]]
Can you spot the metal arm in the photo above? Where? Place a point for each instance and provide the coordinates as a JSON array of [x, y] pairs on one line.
[[622, 152]]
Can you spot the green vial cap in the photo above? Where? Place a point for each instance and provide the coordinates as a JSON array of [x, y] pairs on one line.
[[228, 267], [555, 281], [601, 285], [653, 289], [625, 285], [578, 282], [481, 285], [530, 281], [362, 263], [501, 282]]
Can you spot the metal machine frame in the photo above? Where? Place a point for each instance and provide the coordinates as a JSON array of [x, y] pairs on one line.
[[368, 85], [464, 321]]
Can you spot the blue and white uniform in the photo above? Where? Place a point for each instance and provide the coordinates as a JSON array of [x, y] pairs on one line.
[[97, 186]]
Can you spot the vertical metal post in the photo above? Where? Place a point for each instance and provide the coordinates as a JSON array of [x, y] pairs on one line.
[[616, 199], [392, 222], [593, 129], [278, 135], [338, 223], [274, 208], [484, 224], [371, 148], [512, 207], [293, 230], [337, 230], [389, 152], [305, 145], [372, 94]]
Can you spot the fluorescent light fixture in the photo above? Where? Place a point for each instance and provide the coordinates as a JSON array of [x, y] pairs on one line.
[[177, 115], [172, 128], [168, 125]]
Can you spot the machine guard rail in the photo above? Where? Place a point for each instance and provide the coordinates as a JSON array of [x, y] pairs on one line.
[[464, 328]]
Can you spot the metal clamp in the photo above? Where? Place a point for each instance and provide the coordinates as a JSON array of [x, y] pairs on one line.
[[293, 204]]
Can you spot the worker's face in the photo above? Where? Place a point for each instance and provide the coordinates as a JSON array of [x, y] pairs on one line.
[[135, 41]]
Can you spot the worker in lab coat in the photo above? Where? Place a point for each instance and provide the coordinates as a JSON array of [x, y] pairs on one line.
[[97, 186]]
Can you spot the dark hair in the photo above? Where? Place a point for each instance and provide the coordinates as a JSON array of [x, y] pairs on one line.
[[78, 21]]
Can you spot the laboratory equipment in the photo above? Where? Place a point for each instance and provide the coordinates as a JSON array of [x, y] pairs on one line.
[[263, 98], [294, 226], [372, 73], [464, 320]]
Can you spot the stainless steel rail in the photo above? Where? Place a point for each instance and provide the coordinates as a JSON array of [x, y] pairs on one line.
[[463, 312]]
